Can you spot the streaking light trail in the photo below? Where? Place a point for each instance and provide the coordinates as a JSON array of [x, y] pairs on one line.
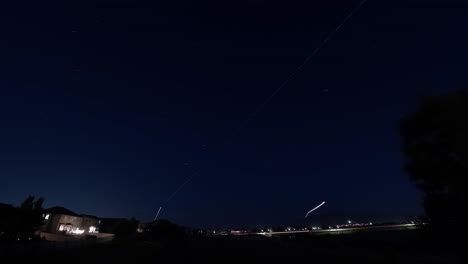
[[299, 68], [178, 189], [290, 77], [156, 217], [172, 196], [317, 207]]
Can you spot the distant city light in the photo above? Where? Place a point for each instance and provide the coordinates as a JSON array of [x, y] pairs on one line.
[[349, 222]]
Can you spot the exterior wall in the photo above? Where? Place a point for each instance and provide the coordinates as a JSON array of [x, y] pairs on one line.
[[68, 219], [52, 225], [54, 222], [90, 222]]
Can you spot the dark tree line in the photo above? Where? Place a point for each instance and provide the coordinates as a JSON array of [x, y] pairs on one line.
[[435, 142], [165, 231], [21, 223]]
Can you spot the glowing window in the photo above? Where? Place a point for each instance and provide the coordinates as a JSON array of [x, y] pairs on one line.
[[65, 227]]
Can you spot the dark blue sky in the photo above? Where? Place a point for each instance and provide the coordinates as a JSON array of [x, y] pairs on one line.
[[107, 107]]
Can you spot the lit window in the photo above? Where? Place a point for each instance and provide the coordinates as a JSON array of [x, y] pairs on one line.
[[75, 231], [47, 217], [92, 229], [65, 227]]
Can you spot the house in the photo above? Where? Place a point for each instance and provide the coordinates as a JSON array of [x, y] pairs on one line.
[[59, 220]]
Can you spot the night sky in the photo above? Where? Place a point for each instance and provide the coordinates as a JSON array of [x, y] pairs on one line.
[[107, 107]]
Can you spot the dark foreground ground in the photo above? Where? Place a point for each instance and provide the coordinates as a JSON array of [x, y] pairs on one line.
[[393, 247]]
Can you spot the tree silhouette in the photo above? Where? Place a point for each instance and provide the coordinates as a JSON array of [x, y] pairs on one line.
[[38, 204], [29, 217], [28, 203], [126, 228], [435, 142], [165, 231], [21, 223]]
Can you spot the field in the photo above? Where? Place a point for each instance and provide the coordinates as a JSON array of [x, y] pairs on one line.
[[384, 247]]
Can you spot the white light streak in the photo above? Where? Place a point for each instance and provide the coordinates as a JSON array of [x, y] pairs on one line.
[[178, 189], [156, 217], [299, 68], [315, 208]]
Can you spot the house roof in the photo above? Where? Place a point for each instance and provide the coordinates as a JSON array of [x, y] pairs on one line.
[[60, 210], [89, 216]]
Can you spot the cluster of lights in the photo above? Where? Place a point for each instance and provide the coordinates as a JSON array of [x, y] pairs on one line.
[[289, 229], [92, 229], [69, 230], [66, 228], [349, 223], [76, 231]]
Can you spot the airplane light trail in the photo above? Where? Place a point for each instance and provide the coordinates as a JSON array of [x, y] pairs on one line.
[[156, 217], [317, 207], [299, 68], [178, 189], [172, 196]]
